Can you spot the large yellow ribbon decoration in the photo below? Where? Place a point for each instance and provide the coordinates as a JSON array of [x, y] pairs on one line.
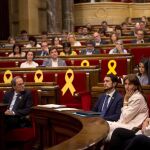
[[69, 81], [112, 65], [85, 63], [38, 79], [9, 79]]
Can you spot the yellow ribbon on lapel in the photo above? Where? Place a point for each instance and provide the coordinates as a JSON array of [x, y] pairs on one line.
[[9, 79], [112, 65], [40, 79], [69, 81], [85, 63]]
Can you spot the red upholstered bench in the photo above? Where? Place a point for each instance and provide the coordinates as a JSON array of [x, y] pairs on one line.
[[23, 137]]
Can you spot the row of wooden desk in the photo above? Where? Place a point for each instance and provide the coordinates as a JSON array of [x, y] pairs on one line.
[[62, 130]]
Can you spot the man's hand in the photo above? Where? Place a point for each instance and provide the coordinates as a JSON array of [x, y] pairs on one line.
[[145, 124], [9, 112]]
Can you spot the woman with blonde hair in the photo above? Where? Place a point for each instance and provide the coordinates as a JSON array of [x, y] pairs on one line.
[[72, 39]]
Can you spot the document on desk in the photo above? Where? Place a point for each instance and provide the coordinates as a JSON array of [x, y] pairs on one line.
[[66, 108], [52, 106]]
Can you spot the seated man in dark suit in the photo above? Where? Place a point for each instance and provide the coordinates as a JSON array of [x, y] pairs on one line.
[[53, 61], [97, 39], [140, 37], [110, 103], [19, 103], [44, 51], [90, 49]]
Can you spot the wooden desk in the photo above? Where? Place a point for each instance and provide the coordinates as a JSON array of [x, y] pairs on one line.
[[47, 92], [65, 131]]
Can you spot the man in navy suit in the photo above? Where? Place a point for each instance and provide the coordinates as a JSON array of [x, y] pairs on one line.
[[19, 103], [110, 103]]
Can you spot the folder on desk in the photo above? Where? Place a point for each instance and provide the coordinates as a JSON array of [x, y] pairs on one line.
[[87, 113]]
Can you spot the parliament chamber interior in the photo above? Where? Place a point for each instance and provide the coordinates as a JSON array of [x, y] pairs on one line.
[[90, 39]]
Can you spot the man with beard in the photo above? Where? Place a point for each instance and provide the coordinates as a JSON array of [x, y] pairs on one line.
[[109, 104]]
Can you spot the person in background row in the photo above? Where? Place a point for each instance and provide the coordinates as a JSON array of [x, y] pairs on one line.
[[90, 49], [134, 110], [53, 60], [29, 63], [24, 35], [19, 103], [17, 51], [139, 37], [85, 33], [44, 51], [32, 42], [119, 48], [124, 139], [72, 39], [113, 38], [111, 98], [118, 30], [129, 21], [67, 50], [143, 71], [89, 27], [97, 39], [11, 42], [56, 42]]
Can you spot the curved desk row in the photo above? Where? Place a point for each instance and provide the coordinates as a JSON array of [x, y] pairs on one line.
[[65, 131]]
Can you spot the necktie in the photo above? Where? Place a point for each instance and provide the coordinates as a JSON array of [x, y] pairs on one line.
[[13, 101], [105, 105]]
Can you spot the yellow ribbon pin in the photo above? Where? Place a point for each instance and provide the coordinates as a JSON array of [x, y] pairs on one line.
[[112, 65], [85, 63], [6, 78], [38, 77], [69, 81]]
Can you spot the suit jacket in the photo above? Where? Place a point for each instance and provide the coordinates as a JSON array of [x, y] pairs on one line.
[[114, 108], [95, 51], [41, 53], [145, 41], [100, 43], [22, 104], [48, 62]]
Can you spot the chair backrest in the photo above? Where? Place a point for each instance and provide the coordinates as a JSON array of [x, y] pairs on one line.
[[123, 67], [92, 62], [8, 64], [139, 52], [79, 83]]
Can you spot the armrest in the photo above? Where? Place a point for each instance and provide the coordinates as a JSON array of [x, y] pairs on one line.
[[80, 94], [85, 98]]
